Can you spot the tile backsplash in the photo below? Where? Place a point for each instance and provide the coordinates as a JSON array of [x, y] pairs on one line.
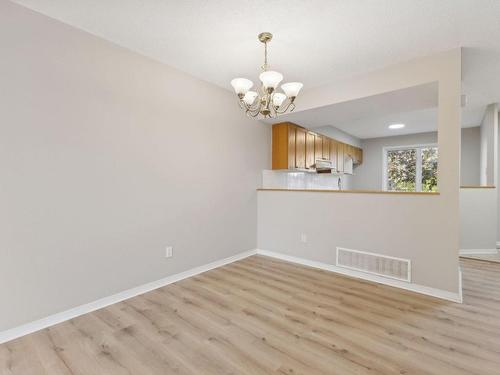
[[301, 180]]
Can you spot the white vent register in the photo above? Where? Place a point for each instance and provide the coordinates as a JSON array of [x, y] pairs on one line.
[[376, 264]]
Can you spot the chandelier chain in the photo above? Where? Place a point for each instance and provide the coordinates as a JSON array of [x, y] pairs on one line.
[[264, 67]]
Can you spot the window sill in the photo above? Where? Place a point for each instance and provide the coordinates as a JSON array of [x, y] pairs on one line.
[[354, 191]]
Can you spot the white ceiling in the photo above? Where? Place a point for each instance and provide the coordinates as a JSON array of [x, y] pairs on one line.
[[369, 117], [316, 41]]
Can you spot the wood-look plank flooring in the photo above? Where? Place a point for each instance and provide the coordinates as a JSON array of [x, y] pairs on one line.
[[486, 257], [265, 316]]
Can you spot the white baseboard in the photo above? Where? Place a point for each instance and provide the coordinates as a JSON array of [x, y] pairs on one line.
[[443, 294], [57, 318], [478, 251], [51, 320]]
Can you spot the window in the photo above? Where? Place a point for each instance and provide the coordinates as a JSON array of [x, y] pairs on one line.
[[410, 168]]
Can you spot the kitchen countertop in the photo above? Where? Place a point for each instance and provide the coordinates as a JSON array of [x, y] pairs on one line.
[[352, 191]]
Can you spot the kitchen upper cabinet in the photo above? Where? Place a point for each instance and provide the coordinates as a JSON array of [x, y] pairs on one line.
[[326, 148], [285, 146], [310, 142], [355, 153], [294, 147], [347, 150], [333, 153], [300, 148], [318, 147], [291, 147], [358, 155], [340, 156], [280, 146]]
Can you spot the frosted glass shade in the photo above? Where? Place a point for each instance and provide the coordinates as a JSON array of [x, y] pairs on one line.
[[291, 89], [241, 85], [249, 97], [278, 99], [271, 79]]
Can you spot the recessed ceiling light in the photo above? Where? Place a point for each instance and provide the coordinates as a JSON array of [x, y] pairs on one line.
[[396, 126]]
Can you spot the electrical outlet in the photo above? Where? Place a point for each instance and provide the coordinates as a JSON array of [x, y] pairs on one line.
[[303, 237], [169, 251]]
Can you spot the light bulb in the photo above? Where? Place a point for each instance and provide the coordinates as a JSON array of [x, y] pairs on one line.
[[396, 126]]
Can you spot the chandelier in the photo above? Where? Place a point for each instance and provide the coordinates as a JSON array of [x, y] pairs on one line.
[[268, 102]]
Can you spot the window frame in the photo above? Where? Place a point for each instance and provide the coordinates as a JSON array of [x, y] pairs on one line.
[[418, 175]]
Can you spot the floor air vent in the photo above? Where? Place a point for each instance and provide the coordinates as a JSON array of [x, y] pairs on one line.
[[376, 264]]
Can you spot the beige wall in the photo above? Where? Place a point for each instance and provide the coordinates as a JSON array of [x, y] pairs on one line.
[[106, 157], [470, 156], [489, 146], [423, 228], [395, 225], [478, 219], [489, 166]]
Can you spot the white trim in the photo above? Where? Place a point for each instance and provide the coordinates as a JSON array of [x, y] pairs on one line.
[[384, 169], [460, 290], [478, 251], [407, 261], [418, 182], [407, 147], [422, 289], [60, 317]]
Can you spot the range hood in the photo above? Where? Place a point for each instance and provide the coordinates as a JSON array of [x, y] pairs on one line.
[[323, 166]]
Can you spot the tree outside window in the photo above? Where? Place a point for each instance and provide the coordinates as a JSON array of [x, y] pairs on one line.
[[411, 168], [429, 168]]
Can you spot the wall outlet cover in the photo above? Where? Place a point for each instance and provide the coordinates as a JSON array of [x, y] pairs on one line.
[[169, 251]]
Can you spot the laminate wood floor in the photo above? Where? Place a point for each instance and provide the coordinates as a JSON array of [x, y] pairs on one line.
[[486, 257], [265, 316]]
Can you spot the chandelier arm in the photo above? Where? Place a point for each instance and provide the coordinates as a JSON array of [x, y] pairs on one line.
[[253, 113], [254, 110], [247, 107], [273, 113], [255, 106], [285, 109]]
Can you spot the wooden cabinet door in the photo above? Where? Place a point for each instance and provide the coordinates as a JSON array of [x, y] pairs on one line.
[[300, 148], [348, 151], [291, 146], [359, 155], [310, 140], [333, 153], [326, 148], [280, 146], [318, 147], [340, 157]]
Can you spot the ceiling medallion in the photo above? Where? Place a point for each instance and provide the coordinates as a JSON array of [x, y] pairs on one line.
[[268, 102]]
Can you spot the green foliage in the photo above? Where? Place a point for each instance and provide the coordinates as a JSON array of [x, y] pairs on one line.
[[429, 169], [402, 169]]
